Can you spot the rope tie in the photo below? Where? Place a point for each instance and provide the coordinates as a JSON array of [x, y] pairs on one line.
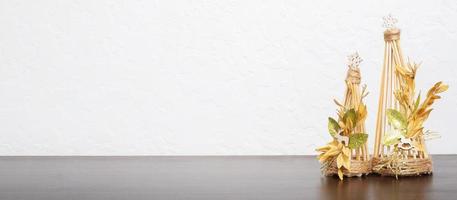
[[391, 34], [353, 75]]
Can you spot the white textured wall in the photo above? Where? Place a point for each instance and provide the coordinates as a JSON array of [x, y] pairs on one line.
[[203, 77]]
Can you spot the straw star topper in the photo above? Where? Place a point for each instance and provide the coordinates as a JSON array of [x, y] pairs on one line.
[[389, 22]]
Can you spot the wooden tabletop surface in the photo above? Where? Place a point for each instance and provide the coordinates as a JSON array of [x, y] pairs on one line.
[[208, 177]]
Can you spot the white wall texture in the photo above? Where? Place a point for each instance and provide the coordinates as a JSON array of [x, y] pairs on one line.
[[204, 77]]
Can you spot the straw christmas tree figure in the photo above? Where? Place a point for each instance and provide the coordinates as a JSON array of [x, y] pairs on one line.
[[399, 143], [347, 154]]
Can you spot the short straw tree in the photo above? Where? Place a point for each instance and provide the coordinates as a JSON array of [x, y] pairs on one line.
[[346, 154]]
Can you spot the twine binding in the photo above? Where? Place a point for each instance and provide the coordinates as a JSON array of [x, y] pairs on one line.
[[391, 34], [353, 76], [358, 168], [402, 167]]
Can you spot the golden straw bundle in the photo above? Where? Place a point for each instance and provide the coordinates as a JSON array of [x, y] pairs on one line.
[[347, 154], [399, 143]]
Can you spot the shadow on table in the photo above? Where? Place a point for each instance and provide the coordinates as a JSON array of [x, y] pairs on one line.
[[376, 187]]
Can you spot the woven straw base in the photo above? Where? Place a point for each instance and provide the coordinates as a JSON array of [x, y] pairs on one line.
[[408, 167], [358, 168]]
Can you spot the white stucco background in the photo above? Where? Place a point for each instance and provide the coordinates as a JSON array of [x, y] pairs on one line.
[[204, 77]]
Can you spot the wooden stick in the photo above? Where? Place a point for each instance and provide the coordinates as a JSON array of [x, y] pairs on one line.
[[388, 94], [376, 152], [400, 52]]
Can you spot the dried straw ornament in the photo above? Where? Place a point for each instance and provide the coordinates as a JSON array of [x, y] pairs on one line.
[[399, 148], [347, 154]]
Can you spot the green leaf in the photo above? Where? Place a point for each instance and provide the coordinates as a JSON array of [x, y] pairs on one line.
[[350, 115], [396, 119], [356, 140], [392, 138], [333, 127]]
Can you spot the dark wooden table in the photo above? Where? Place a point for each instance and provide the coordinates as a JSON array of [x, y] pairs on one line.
[[207, 177]]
